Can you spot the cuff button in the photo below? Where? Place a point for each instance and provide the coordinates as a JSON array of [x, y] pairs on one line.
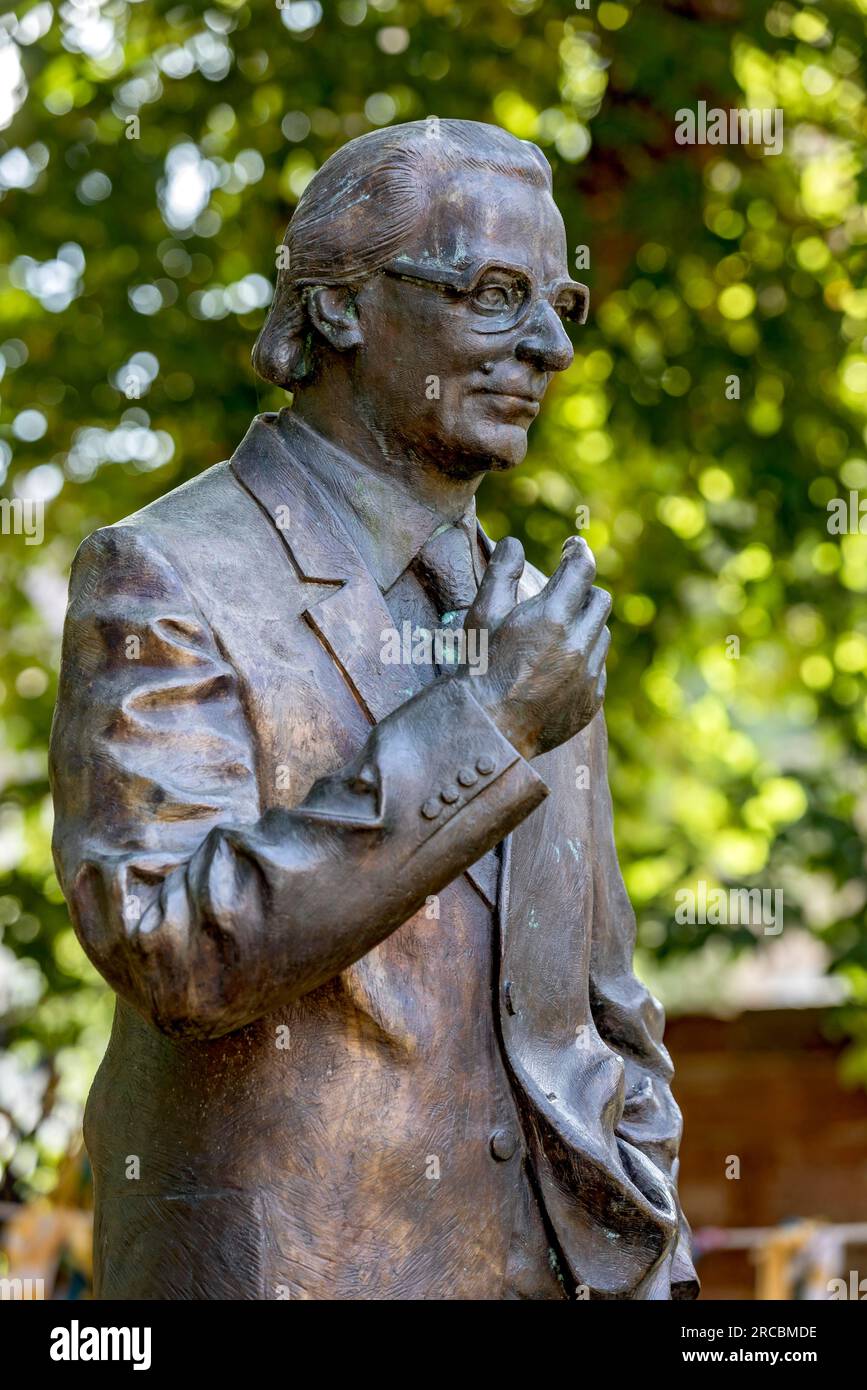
[[467, 777], [431, 809], [449, 795], [485, 765]]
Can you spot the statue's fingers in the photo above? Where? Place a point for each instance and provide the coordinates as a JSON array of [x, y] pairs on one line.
[[595, 615], [598, 653], [567, 591], [498, 591]]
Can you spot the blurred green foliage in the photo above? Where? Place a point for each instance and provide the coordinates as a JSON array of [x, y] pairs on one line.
[[150, 155]]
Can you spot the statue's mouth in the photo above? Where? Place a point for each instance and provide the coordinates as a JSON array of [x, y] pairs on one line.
[[521, 401]]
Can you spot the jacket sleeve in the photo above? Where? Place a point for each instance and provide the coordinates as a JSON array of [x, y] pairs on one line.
[[629, 1019], [200, 909]]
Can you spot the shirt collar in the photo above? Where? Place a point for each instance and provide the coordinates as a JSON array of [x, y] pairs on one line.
[[386, 524]]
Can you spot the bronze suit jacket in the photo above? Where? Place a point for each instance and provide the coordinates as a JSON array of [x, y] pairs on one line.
[[284, 1110]]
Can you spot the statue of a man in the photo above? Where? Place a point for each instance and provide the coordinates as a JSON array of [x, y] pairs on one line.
[[332, 805]]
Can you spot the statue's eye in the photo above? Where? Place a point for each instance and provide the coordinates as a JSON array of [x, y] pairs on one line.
[[494, 298]]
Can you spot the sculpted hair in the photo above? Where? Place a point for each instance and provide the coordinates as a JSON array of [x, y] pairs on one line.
[[360, 209]]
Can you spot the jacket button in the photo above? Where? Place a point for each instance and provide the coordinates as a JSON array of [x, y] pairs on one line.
[[504, 1143], [485, 765], [467, 777], [449, 795], [431, 809]]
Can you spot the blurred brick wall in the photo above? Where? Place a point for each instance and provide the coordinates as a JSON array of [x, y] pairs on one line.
[[765, 1086]]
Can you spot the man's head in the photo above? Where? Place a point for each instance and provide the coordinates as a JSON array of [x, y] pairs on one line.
[[426, 283]]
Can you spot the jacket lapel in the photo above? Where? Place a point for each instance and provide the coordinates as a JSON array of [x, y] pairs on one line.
[[608, 1206], [350, 618]]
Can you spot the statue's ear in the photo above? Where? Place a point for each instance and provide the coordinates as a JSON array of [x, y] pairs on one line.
[[332, 311]]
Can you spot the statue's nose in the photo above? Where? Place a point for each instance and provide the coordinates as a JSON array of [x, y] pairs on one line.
[[544, 342]]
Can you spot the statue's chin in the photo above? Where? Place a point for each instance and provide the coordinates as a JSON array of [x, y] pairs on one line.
[[494, 451], [502, 463]]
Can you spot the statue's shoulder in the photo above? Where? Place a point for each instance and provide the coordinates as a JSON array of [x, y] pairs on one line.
[[192, 507], [214, 507], [185, 535]]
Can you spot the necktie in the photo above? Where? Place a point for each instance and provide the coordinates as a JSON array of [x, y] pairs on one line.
[[445, 566]]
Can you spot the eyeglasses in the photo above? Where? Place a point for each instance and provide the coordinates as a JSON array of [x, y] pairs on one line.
[[500, 297]]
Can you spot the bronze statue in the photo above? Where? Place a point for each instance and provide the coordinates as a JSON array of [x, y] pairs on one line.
[[377, 1030]]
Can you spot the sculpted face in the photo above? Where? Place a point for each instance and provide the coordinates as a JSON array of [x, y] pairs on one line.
[[461, 334]]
